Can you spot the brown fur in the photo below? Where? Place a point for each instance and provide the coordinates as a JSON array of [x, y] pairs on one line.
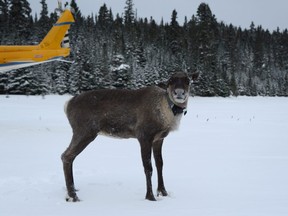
[[144, 114]]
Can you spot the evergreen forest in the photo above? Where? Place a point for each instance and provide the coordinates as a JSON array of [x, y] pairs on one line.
[[125, 51]]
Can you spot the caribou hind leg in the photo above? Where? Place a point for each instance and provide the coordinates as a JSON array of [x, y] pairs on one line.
[[77, 145], [157, 152]]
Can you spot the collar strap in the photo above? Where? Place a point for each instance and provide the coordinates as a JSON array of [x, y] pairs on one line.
[[176, 109]]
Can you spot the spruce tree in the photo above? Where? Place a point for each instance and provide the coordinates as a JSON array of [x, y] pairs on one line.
[[4, 20], [44, 23], [21, 21], [129, 13], [77, 14], [207, 51], [104, 19]]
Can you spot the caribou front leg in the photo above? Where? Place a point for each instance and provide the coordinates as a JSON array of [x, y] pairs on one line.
[[157, 151], [146, 150]]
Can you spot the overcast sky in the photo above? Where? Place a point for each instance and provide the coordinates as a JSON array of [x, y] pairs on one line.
[[268, 13]]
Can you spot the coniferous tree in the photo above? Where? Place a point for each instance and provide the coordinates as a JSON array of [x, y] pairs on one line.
[[4, 39], [44, 24], [104, 19], [129, 13], [4, 20], [77, 13], [24, 81], [206, 40], [175, 38], [118, 42], [21, 20], [192, 45]]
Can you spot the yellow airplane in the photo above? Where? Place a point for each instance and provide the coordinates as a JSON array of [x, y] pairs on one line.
[[53, 47]]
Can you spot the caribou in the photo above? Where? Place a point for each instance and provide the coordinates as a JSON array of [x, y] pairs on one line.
[[147, 114]]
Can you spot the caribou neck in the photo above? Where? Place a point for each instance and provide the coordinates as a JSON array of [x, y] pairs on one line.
[[177, 108]]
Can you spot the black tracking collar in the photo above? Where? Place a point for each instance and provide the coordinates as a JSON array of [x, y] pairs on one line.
[[176, 109]]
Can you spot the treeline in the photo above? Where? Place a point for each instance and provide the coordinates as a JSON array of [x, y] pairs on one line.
[[126, 51]]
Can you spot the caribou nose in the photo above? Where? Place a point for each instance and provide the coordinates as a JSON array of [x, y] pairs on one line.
[[179, 93]]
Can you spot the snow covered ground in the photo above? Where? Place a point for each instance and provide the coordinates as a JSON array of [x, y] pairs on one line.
[[229, 158]]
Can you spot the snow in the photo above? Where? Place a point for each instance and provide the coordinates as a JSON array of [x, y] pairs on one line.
[[121, 67], [228, 158]]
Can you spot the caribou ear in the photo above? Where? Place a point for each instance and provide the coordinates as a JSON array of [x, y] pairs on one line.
[[195, 76]]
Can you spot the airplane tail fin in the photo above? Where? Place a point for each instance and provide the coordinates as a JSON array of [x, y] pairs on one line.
[[66, 42], [57, 37]]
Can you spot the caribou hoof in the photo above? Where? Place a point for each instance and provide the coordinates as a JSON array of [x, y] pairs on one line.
[[150, 197], [162, 192], [72, 199]]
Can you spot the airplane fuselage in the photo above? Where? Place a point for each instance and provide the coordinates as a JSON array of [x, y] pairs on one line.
[[10, 54], [51, 47]]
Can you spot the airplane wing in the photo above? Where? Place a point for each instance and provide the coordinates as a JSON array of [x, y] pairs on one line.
[[17, 65]]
